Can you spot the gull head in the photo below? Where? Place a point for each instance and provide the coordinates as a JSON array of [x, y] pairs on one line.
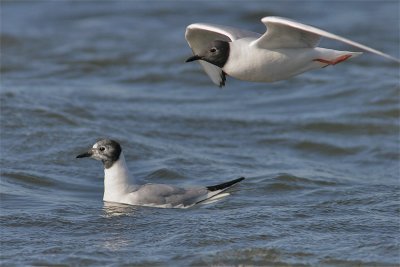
[[217, 53], [106, 150]]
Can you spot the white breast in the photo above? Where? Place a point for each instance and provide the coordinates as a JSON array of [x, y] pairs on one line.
[[117, 182]]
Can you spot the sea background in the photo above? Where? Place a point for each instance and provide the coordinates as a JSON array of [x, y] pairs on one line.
[[320, 151]]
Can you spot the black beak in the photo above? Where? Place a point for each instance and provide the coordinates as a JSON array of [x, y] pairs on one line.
[[85, 155], [193, 58]]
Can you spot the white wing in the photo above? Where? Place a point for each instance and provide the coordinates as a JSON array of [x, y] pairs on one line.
[[286, 33], [215, 73], [200, 35]]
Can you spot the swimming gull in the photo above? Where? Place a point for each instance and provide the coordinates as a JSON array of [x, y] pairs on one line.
[[121, 187]]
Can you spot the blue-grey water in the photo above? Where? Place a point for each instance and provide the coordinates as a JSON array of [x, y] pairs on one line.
[[320, 151]]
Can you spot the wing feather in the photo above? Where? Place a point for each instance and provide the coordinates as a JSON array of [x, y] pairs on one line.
[[286, 33]]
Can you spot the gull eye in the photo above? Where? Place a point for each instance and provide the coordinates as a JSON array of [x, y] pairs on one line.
[[102, 148], [213, 50]]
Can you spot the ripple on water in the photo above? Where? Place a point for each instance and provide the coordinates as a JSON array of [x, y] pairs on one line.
[[28, 179], [327, 149], [289, 182], [164, 173], [257, 257], [349, 128]]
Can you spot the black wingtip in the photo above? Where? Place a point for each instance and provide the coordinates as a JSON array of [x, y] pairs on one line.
[[223, 79], [224, 185]]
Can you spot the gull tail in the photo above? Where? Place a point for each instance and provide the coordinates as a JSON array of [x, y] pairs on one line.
[[218, 191], [224, 186]]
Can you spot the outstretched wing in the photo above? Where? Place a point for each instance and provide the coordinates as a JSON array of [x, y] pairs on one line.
[[200, 35], [286, 33]]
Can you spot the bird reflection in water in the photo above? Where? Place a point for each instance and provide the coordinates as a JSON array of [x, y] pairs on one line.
[[116, 209]]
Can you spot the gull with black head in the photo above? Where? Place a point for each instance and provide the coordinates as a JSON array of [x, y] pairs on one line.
[[286, 49], [121, 187]]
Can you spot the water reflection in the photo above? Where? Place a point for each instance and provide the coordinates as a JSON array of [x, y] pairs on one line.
[[117, 209], [116, 243]]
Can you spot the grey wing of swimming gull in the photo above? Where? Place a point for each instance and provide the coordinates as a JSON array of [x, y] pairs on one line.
[[161, 194]]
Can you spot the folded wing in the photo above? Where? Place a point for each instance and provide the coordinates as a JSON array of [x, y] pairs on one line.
[[170, 196]]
